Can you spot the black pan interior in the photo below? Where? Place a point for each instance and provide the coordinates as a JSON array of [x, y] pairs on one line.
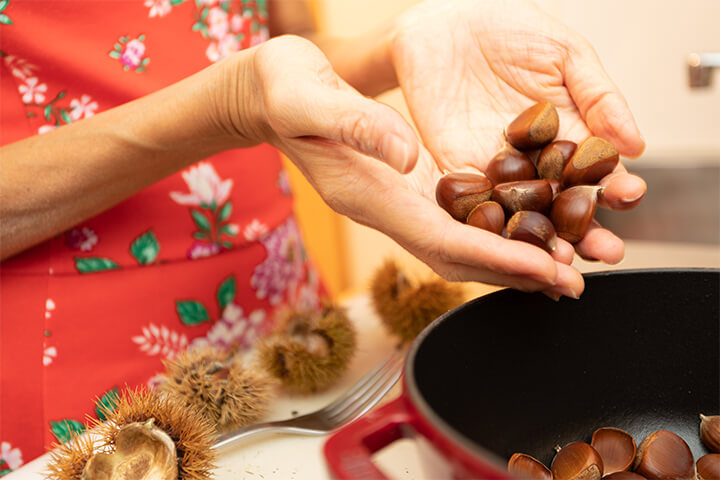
[[515, 372]]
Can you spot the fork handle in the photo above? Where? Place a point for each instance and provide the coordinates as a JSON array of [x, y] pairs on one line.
[[245, 432]]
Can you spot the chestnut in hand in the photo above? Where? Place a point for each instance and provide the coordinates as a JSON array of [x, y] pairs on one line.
[[459, 192], [510, 165], [534, 127], [535, 195], [488, 216], [573, 210], [553, 158], [534, 228], [593, 159]]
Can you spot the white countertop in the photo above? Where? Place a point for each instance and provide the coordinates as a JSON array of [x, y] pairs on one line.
[[290, 457]]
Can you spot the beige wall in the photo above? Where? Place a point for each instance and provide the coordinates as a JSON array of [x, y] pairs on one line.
[[643, 45]]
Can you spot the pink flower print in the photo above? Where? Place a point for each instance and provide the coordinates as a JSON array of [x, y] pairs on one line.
[[10, 456], [202, 250], [259, 37], [158, 8], [83, 107], [236, 23], [283, 182], [19, 67], [283, 267], [32, 91], [49, 355], [81, 238], [217, 21], [233, 329], [46, 128], [206, 187], [224, 47], [156, 381], [255, 230], [133, 53]]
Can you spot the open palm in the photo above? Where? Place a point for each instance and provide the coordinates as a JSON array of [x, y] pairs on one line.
[[467, 68]]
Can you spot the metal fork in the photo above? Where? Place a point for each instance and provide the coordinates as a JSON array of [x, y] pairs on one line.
[[349, 406]]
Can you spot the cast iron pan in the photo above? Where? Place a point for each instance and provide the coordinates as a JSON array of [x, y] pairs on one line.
[[514, 372]]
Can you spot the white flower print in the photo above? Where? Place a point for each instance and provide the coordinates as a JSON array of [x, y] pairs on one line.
[[83, 107], [284, 265], [236, 23], [46, 128], [19, 67], [49, 307], [255, 230], [32, 91], [158, 8], [227, 45], [11, 456], [205, 187], [233, 329], [49, 354], [133, 53], [160, 340], [218, 24], [156, 381], [83, 238]]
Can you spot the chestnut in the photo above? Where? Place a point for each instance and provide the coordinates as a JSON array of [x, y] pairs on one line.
[[555, 185], [710, 432], [708, 467], [663, 455], [532, 227], [624, 476], [510, 165], [534, 127], [459, 192], [573, 210], [553, 158], [577, 461], [535, 195], [616, 448], [593, 159], [525, 466], [488, 216]]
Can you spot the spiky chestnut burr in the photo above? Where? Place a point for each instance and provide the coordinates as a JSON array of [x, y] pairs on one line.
[[228, 393], [190, 432], [405, 307], [309, 351]]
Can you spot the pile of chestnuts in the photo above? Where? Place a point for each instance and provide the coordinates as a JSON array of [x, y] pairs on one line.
[[612, 453], [556, 195]]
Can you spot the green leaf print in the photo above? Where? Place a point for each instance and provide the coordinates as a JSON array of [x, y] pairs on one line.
[[66, 118], [3, 4], [176, 2], [228, 230], [191, 312], [94, 264], [47, 111], [65, 430], [200, 220], [114, 54], [145, 248], [107, 402], [5, 20], [5, 472], [226, 292], [225, 212]]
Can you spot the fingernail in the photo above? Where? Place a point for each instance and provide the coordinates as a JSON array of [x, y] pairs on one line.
[[395, 152], [568, 292], [633, 199], [542, 279], [553, 296]]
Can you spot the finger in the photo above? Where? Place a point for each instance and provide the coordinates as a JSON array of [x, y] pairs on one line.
[[570, 283], [601, 244], [601, 104], [621, 190], [564, 252]]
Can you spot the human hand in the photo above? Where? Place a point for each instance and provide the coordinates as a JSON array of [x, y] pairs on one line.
[[354, 151], [467, 68]]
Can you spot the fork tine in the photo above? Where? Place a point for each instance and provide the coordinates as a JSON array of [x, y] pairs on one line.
[[370, 397], [362, 384]]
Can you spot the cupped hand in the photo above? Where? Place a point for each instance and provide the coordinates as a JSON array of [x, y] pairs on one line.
[[467, 68], [356, 152]]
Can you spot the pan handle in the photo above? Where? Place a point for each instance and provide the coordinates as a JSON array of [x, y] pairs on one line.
[[349, 451]]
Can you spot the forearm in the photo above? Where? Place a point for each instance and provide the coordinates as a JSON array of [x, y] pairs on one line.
[[50, 182]]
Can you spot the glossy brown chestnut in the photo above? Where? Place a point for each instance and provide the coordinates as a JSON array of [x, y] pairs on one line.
[[708, 467], [532, 227], [577, 461], [525, 466], [555, 185], [510, 165], [460, 192], [663, 455], [616, 448], [593, 159], [534, 127], [553, 158], [573, 210], [488, 216], [710, 432], [624, 476], [535, 195]]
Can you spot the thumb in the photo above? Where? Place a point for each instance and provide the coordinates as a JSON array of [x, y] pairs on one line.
[[601, 104], [344, 116]]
